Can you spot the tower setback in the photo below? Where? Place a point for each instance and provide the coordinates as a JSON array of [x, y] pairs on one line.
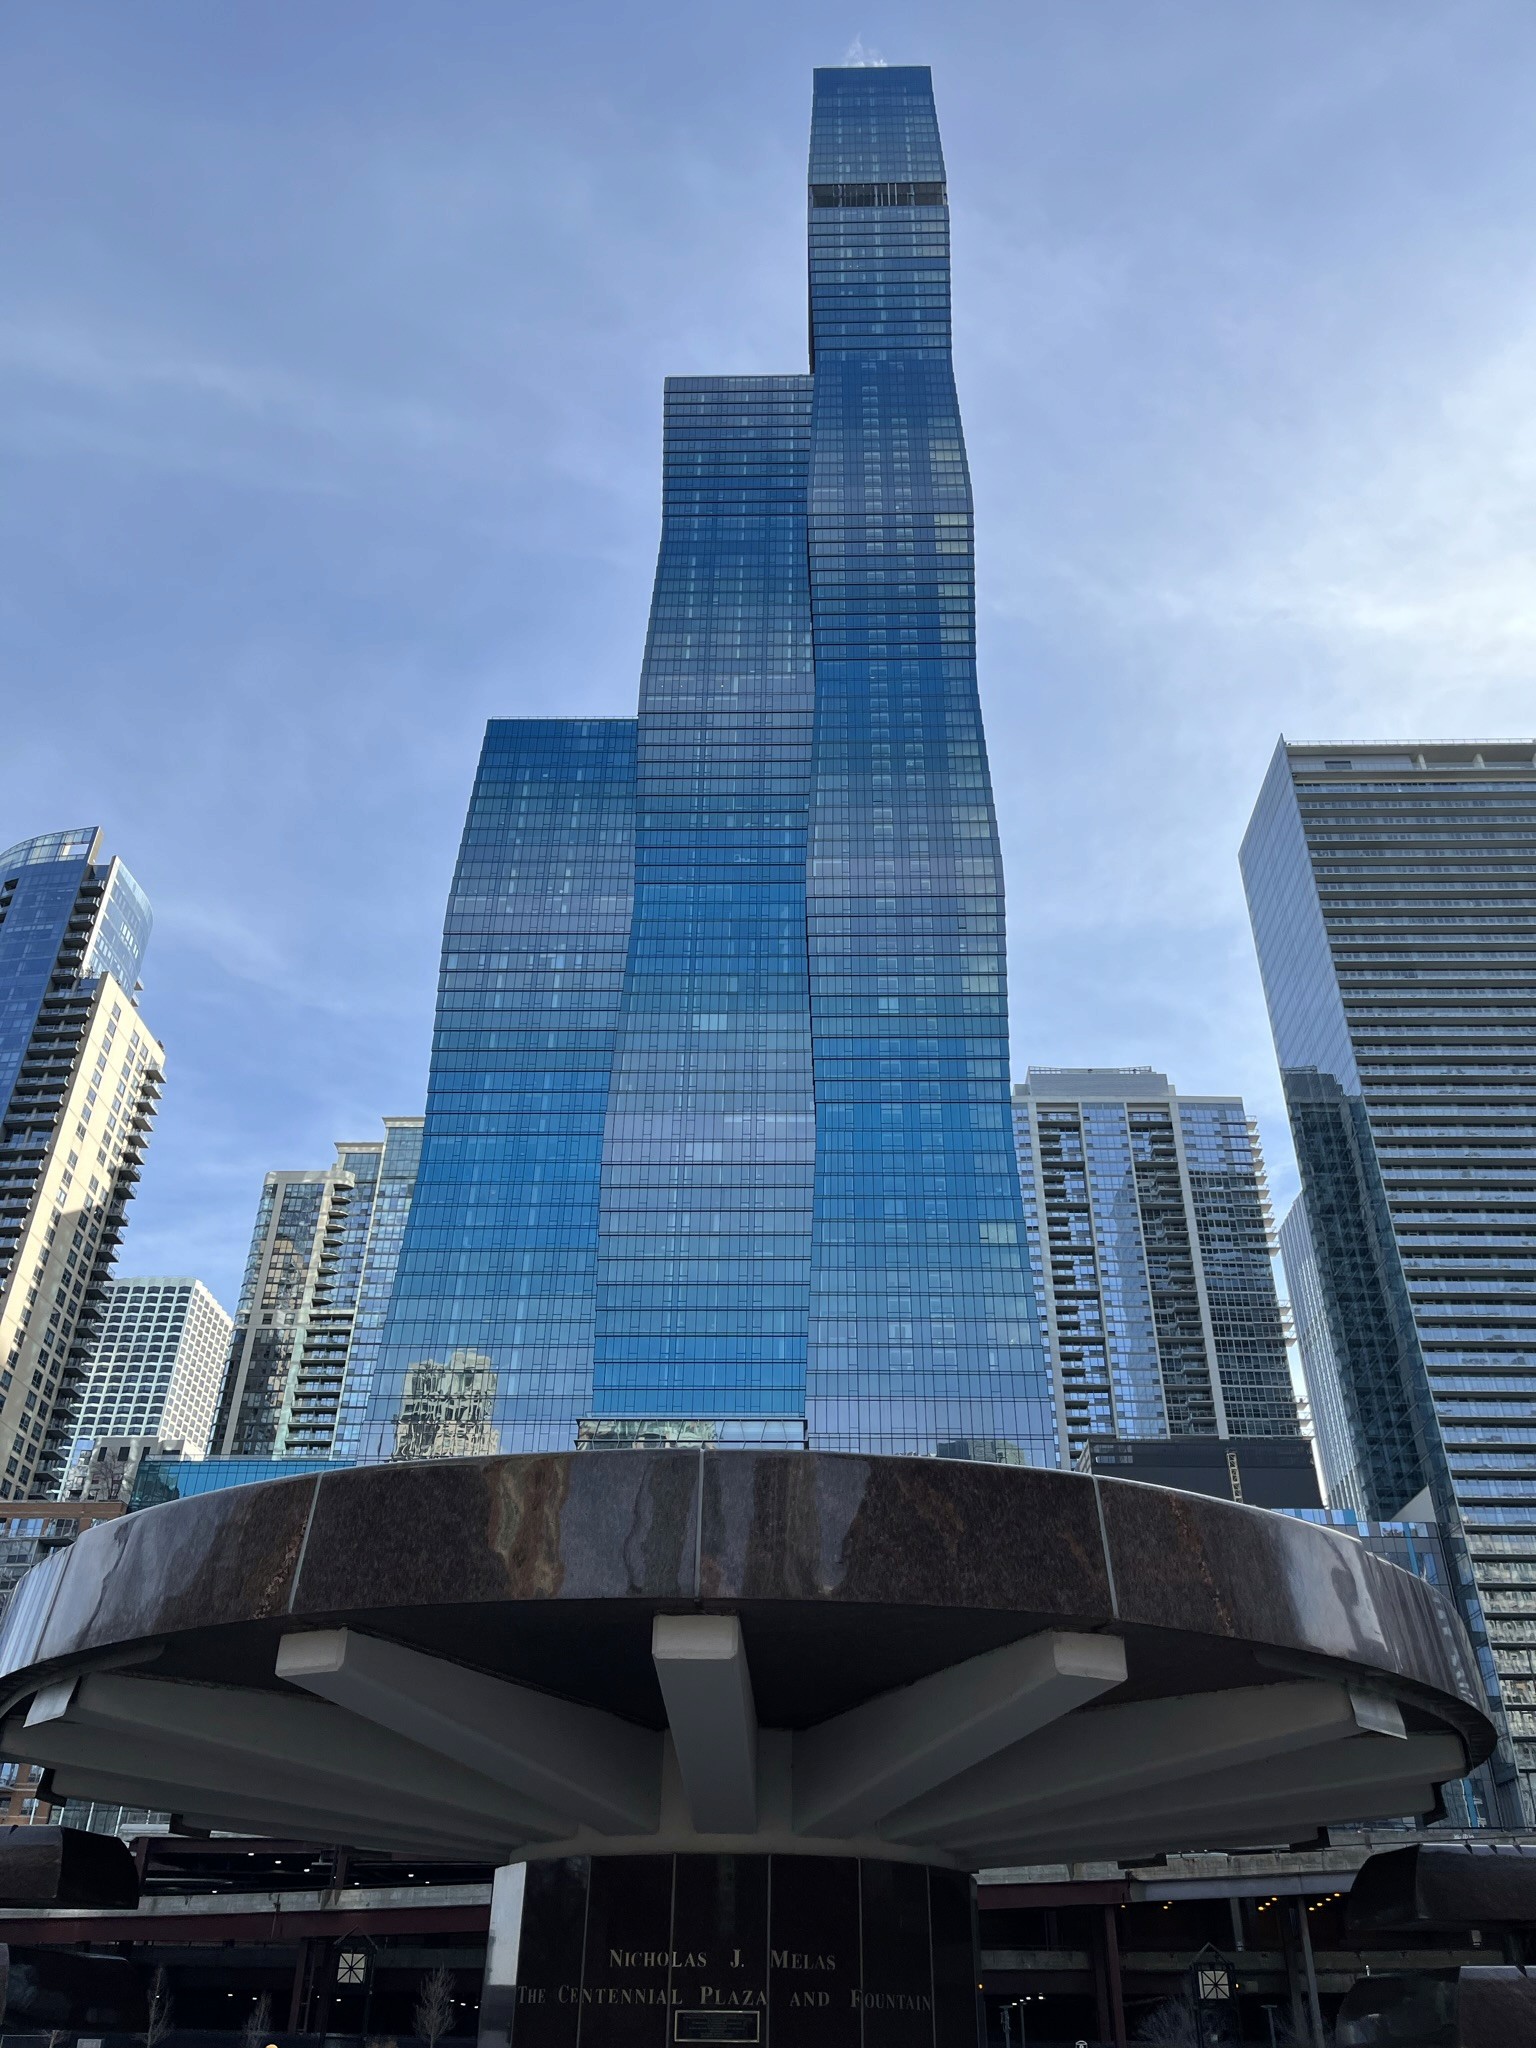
[[718, 1142]]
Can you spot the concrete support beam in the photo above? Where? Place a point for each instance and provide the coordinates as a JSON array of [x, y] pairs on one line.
[[1364, 1777], [315, 1750], [702, 1667], [366, 1835], [503, 1950], [1113, 1752], [854, 1770], [1247, 1827], [90, 1765], [569, 1759], [198, 1777]]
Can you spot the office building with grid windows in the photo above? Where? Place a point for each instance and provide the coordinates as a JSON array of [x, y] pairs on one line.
[[717, 1142], [1392, 890], [1151, 1244], [155, 1370], [80, 1078]]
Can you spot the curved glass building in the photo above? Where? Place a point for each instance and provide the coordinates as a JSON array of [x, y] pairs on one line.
[[718, 1142]]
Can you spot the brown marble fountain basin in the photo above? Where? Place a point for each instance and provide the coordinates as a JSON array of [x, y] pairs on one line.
[[621, 1652]]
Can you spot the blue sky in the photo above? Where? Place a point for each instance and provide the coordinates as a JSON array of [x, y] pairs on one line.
[[331, 350]]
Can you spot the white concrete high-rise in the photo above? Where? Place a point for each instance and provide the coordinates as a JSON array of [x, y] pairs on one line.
[[80, 1074], [157, 1366]]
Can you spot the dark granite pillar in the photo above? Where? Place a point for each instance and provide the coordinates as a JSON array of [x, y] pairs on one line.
[[669, 1951]]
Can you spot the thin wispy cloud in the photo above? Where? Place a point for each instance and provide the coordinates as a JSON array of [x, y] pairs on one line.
[[859, 54], [1409, 542], [133, 375]]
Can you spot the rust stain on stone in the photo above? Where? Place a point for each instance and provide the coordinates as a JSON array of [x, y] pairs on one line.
[[1193, 1550], [525, 1507]]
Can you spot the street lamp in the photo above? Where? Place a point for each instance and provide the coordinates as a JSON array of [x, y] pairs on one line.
[[1211, 1995]]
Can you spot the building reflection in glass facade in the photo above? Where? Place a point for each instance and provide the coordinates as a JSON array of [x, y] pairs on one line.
[[391, 1184], [1150, 1237], [1393, 896], [1337, 1451], [718, 1137]]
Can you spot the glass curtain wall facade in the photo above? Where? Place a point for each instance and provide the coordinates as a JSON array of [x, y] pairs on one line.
[[717, 1136], [488, 1339], [1392, 891], [1150, 1235], [394, 1185], [1336, 1448], [923, 1331], [709, 1147]]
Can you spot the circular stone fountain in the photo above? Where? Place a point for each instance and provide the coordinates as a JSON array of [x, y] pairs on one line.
[[736, 1724]]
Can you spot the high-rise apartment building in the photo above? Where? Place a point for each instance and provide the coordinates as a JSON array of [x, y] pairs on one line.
[[155, 1368], [717, 1137], [80, 1076], [1392, 890], [317, 1278], [1152, 1247]]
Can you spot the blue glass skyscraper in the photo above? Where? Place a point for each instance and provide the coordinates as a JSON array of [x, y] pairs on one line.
[[718, 1138]]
